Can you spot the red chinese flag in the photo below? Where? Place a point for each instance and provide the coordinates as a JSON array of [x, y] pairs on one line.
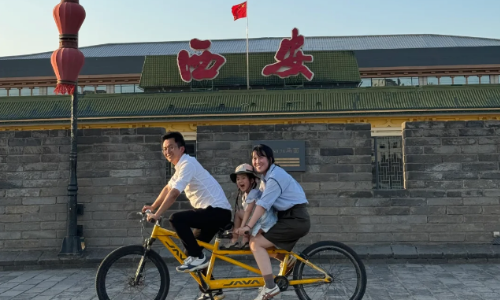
[[239, 11]]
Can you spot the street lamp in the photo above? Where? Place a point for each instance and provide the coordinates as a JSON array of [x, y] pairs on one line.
[[67, 62]]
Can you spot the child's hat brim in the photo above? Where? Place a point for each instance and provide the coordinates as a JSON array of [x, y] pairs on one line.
[[242, 169]]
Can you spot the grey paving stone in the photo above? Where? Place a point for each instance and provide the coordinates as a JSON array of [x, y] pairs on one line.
[[48, 258], [385, 282], [7, 257], [479, 251], [28, 257], [362, 251], [430, 251], [96, 255], [10, 293], [404, 251], [377, 252]]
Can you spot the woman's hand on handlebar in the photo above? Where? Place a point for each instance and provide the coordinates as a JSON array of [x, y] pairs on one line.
[[245, 230]]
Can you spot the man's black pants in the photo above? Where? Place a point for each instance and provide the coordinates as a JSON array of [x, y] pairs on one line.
[[206, 222]]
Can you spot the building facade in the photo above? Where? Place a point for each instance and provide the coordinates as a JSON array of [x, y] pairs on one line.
[[360, 106]]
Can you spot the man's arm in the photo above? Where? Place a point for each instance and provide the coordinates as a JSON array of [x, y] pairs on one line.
[[185, 176], [171, 197], [161, 197], [158, 201]]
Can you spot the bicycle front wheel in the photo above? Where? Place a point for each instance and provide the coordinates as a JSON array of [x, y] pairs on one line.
[[341, 263], [126, 273]]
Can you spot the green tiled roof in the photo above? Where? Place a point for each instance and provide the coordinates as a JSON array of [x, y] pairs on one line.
[[257, 103], [328, 68]]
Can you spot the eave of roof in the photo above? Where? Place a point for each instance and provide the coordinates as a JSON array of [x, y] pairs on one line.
[[253, 104]]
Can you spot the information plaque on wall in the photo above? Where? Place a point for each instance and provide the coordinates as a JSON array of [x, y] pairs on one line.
[[290, 155]]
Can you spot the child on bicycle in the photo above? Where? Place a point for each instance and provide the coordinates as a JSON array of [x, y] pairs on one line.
[[247, 182]]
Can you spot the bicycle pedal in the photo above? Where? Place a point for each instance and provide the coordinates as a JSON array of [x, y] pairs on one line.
[[282, 282]]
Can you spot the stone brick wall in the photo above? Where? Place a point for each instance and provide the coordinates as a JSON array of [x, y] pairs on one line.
[[338, 157], [119, 170], [451, 169], [454, 167], [338, 179]]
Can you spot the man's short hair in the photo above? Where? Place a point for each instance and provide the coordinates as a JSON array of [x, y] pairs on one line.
[[178, 138]]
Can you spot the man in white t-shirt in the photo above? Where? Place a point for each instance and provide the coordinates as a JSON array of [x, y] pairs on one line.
[[211, 212]]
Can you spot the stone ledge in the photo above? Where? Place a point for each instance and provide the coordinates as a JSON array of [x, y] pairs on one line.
[[401, 253]]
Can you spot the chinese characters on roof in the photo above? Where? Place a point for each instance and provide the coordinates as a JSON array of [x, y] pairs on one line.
[[290, 59], [206, 65]]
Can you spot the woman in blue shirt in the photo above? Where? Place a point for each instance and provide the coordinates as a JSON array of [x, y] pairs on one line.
[[282, 192]]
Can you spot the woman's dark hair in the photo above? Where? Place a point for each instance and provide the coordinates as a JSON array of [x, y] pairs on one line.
[[177, 136], [265, 151]]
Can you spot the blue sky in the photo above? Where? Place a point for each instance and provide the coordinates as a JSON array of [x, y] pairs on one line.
[[27, 26]]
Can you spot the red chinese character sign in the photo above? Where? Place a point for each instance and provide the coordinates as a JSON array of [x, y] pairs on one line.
[[204, 66], [290, 59]]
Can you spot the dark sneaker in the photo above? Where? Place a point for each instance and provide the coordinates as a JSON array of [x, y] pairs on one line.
[[192, 264], [217, 296]]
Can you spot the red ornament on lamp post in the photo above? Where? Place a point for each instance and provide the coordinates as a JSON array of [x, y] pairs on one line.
[[67, 62]]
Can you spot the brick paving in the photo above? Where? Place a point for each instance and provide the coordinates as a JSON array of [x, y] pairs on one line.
[[385, 282]]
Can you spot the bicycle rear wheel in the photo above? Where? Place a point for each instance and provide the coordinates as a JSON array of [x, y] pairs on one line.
[[116, 276], [336, 259]]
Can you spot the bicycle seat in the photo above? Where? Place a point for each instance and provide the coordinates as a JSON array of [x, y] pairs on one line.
[[225, 231]]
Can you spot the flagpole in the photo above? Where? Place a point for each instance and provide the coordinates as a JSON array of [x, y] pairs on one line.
[[248, 72]]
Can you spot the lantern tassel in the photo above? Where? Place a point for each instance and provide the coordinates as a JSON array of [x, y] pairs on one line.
[[64, 88]]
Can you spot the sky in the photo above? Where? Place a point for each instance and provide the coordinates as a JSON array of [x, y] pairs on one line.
[[27, 26]]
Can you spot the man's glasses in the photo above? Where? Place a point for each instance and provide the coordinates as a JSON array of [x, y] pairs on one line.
[[171, 147]]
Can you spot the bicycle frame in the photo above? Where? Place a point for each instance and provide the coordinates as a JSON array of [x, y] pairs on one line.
[[165, 236]]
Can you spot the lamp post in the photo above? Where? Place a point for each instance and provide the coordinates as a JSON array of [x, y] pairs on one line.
[[67, 62]]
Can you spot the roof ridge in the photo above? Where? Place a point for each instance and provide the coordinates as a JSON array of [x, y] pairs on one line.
[[263, 38], [307, 37]]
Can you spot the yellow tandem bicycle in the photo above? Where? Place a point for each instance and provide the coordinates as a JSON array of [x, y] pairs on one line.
[[316, 275]]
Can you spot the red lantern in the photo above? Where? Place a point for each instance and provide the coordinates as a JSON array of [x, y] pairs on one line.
[[67, 64], [67, 61], [69, 17]]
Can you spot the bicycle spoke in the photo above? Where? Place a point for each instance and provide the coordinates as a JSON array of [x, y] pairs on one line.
[[121, 276], [338, 263]]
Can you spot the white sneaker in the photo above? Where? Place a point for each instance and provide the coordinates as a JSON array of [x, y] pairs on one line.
[[192, 264], [217, 296], [265, 293]]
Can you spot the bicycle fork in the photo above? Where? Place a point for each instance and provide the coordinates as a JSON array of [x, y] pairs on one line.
[[142, 262]]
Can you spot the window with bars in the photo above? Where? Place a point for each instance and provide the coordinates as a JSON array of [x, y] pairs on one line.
[[387, 163]]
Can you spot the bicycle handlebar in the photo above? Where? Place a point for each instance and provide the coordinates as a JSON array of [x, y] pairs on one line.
[[147, 213]]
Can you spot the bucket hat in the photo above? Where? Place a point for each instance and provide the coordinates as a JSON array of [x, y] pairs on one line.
[[242, 169]]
